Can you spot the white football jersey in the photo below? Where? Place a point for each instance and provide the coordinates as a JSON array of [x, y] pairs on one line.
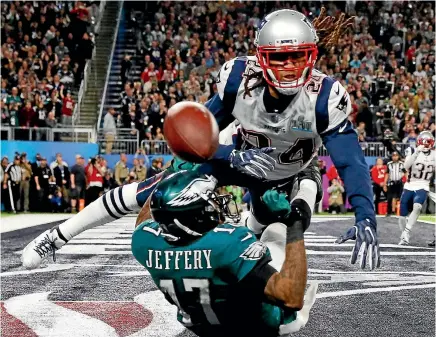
[[421, 171], [295, 133]]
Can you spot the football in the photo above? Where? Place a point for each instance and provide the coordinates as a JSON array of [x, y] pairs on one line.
[[191, 132]]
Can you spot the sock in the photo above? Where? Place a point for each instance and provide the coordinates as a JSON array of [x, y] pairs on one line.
[[413, 217], [274, 237], [107, 208], [402, 221], [307, 191]]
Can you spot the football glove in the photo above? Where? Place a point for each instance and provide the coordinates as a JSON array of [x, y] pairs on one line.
[[277, 203], [367, 245], [254, 162]]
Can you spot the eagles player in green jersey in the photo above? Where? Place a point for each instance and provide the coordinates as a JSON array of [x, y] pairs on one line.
[[219, 275]]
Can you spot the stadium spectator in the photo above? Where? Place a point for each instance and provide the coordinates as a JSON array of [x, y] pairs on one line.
[[109, 129], [26, 175], [109, 182], [139, 170], [42, 176], [42, 47], [336, 202], [67, 108], [156, 167], [378, 173], [94, 176], [78, 182], [61, 174], [121, 170]]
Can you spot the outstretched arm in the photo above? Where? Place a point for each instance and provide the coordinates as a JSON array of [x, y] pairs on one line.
[[287, 286], [352, 168]]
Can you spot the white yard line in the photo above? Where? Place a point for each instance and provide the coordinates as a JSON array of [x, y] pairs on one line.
[[20, 221]]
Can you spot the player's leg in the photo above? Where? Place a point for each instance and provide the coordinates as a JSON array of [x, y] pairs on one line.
[[418, 202], [406, 199], [107, 208]]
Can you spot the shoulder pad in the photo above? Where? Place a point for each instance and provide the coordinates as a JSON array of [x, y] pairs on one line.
[[333, 105], [230, 77]]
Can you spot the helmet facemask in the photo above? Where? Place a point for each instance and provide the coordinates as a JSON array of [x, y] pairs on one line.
[[273, 61], [426, 141]]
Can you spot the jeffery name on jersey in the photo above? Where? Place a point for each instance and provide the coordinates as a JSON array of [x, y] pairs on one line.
[[296, 131], [422, 170]]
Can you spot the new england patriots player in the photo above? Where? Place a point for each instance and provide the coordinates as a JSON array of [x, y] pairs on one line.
[[284, 105], [420, 164], [222, 279]]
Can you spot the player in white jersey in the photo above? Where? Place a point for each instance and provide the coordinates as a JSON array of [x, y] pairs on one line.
[[281, 102], [420, 164], [288, 109]]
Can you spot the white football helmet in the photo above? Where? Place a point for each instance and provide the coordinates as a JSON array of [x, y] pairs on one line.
[[426, 139], [284, 35]]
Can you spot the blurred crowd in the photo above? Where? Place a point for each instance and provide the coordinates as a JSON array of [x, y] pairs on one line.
[[45, 46], [386, 61], [43, 186]]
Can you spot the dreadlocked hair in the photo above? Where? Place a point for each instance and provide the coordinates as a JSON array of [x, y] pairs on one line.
[[329, 30], [258, 75]]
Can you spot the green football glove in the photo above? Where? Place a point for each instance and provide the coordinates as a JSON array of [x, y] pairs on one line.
[[277, 203], [178, 164]]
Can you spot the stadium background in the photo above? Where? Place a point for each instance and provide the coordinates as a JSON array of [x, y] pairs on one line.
[[123, 77]]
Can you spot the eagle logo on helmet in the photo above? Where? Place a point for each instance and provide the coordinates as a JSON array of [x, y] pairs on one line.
[[197, 189]]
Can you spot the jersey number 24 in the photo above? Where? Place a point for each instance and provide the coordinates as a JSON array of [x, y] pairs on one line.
[[300, 152]]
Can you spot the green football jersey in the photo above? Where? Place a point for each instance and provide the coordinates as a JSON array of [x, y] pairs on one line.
[[205, 280]]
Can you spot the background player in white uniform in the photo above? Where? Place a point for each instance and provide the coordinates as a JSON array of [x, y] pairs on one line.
[[288, 109], [420, 163]]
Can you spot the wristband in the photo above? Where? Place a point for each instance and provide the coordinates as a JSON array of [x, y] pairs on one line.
[[295, 232]]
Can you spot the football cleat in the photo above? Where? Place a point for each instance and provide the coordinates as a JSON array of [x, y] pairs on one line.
[[39, 249], [431, 244], [405, 238]]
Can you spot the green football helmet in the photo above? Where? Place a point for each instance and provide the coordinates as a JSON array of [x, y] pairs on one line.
[[186, 206]]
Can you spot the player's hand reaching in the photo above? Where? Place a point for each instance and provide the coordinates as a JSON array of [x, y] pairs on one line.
[[365, 234], [254, 162]]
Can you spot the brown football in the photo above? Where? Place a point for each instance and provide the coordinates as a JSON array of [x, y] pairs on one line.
[[191, 132]]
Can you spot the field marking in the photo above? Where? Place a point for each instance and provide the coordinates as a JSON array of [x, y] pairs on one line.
[[46, 318], [371, 290]]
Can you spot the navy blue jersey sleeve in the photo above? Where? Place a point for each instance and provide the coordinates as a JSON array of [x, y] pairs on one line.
[[146, 187], [223, 102], [333, 105], [347, 156]]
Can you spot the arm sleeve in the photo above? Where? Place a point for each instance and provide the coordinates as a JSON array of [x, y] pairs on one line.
[[352, 168], [411, 156]]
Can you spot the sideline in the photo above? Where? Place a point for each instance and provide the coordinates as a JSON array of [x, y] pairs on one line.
[[21, 221]]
